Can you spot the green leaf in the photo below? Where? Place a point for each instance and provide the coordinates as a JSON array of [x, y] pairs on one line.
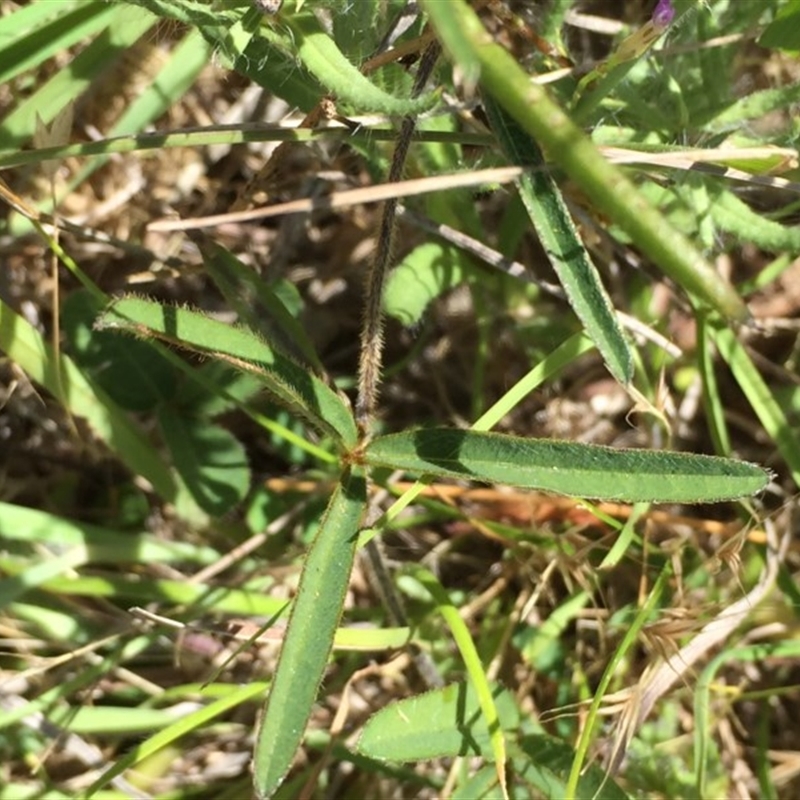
[[464, 36], [220, 388], [211, 460], [424, 274], [479, 681], [123, 27], [783, 33], [569, 468], [323, 59], [482, 785], [559, 237], [444, 722], [37, 31], [257, 304], [269, 59], [293, 386], [735, 217], [309, 635], [133, 373], [755, 106]]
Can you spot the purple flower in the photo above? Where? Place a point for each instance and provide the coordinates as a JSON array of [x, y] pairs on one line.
[[663, 14]]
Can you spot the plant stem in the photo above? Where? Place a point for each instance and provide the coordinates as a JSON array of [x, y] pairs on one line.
[[371, 352]]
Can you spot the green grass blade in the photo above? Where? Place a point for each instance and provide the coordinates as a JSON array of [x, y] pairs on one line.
[[295, 387], [789, 650], [309, 634], [38, 31], [564, 355], [559, 237], [475, 670], [189, 57], [569, 468], [628, 641], [25, 346], [218, 134], [461, 31], [188, 12], [80, 679], [180, 728], [138, 591], [102, 544], [35, 575], [712, 399], [760, 398], [124, 27]]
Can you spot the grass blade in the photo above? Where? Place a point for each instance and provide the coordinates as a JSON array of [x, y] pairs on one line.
[[22, 524], [789, 650], [477, 674], [124, 27], [40, 30], [180, 728], [760, 397], [24, 345]]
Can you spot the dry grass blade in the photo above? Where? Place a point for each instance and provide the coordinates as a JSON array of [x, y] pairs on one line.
[[350, 197], [662, 677], [713, 161]]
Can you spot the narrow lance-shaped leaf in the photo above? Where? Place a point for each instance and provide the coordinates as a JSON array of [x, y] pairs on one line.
[[559, 237], [309, 635], [298, 389], [570, 468], [464, 36], [256, 303]]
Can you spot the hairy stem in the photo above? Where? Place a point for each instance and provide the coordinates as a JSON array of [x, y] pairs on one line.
[[371, 352]]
